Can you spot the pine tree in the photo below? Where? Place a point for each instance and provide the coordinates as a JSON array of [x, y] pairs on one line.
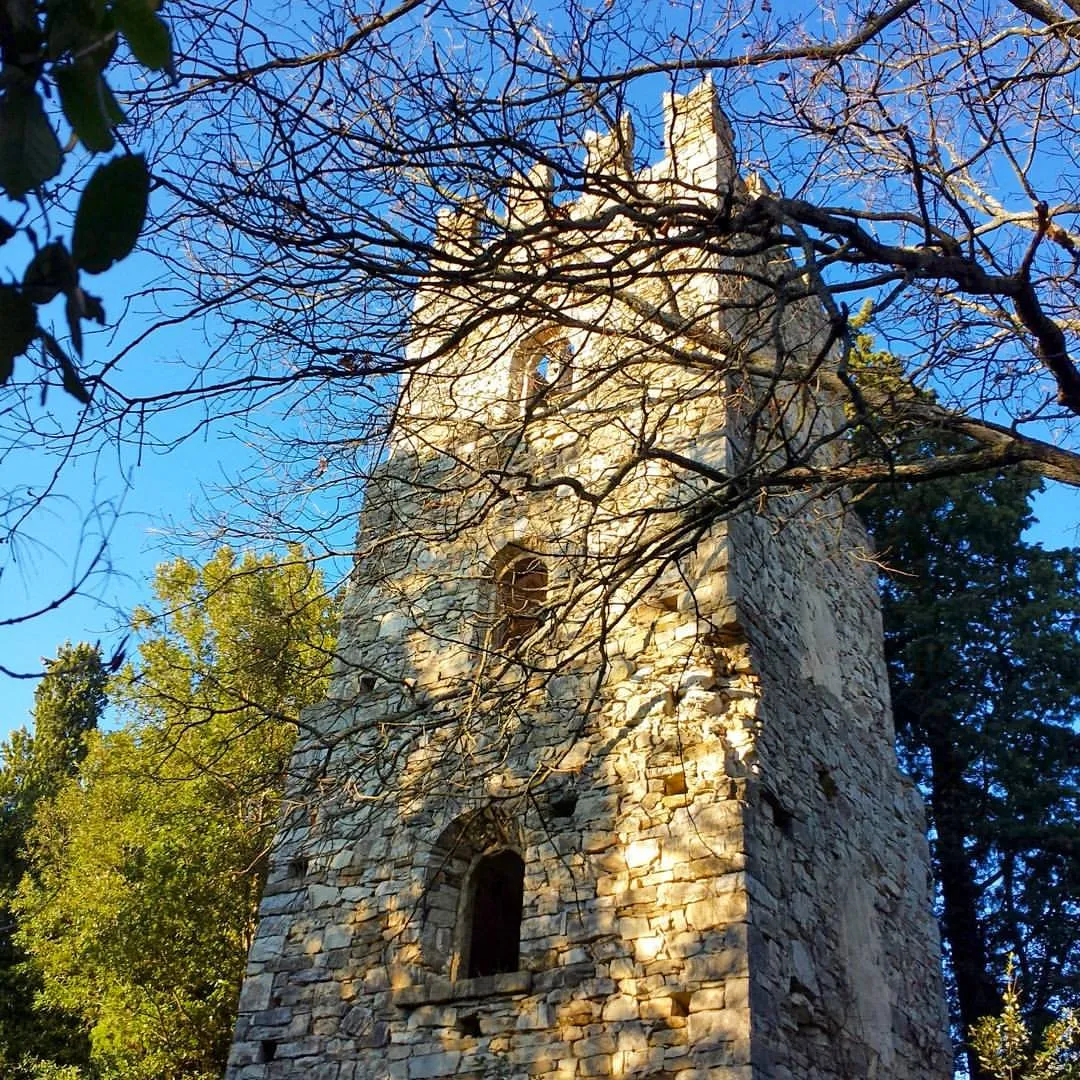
[[983, 645]]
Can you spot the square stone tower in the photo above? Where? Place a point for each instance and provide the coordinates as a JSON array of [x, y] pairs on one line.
[[606, 782]]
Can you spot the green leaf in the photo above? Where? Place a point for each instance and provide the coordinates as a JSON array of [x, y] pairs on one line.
[[111, 213], [69, 376], [146, 34], [73, 311], [82, 97], [30, 152], [18, 327], [81, 28], [113, 110], [93, 308]]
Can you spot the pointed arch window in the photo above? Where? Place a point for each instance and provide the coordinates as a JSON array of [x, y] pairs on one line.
[[521, 591], [541, 365], [549, 366], [474, 898]]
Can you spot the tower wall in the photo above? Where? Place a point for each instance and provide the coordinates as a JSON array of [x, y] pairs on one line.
[[690, 750], [836, 846]]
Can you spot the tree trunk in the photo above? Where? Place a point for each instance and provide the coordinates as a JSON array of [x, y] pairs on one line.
[[976, 990]]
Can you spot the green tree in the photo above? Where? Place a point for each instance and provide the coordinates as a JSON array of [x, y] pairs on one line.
[[983, 643], [147, 870], [1005, 1047], [68, 705]]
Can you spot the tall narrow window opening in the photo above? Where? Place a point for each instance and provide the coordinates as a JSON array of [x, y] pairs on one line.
[[463, 872], [493, 930], [521, 591], [541, 365]]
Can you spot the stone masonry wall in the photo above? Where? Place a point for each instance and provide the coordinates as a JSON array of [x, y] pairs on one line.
[[725, 875], [837, 854]]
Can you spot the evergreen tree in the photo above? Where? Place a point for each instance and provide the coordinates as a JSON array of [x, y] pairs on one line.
[[68, 705], [146, 873], [982, 636]]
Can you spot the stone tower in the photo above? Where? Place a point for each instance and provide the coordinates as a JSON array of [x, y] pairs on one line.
[[606, 782]]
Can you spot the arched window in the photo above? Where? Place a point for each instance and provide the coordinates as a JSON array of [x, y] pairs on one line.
[[473, 897], [549, 365], [521, 589], [542, 364], [492, 916]]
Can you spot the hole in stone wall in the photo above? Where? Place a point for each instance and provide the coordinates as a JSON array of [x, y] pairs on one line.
[[669, 602], [680, 1003], [675, 783], [563, 804], [298, 867], [367, 683], [827, 783], [469, 1025], [267, 1050], [782, 817]]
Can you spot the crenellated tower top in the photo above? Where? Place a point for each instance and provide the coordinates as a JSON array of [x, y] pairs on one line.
[[501, 280]]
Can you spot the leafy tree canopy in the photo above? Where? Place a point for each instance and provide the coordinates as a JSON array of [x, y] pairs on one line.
[[68, 705], [146, 872], [1007, 1050]]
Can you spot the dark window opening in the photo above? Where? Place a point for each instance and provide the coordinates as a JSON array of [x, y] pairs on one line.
[[494, 932], [267, 1050], [521, 589]]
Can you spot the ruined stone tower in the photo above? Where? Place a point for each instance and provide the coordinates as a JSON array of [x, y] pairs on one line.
[[606, 783]]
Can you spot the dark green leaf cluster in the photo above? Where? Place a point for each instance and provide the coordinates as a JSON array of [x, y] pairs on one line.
[[66, 46]]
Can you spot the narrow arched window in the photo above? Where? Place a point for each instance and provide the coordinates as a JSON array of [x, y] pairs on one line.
[[493, 916], [521, 589], [542, 365]]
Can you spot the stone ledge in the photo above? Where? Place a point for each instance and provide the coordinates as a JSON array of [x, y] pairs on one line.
[[438, 990]]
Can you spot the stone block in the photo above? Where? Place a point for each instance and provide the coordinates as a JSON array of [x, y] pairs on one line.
[[256, 992], [539, 1017], [710, 967], [423, 1066], [603, 1043], [595, 1066], [716, 911], [707, 999], [622, 1007]]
